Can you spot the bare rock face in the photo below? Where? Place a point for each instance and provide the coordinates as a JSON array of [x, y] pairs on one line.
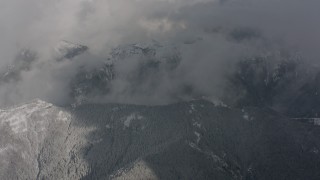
[[191, 140]]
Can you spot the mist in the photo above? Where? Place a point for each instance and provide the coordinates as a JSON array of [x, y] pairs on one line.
[[208, 37]]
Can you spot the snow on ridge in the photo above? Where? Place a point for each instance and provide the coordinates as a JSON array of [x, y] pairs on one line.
[[32, 115], [196, 124], [63, 116], [314, 121], [246, 116], [36, 102], [198, 136], [215, 101]]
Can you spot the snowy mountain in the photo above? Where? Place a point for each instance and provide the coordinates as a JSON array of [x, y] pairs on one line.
[[196, 140], [268, 128], [26, 132]]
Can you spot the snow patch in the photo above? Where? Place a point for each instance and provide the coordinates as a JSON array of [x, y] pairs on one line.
[[246, 116], [18, 116], [192, 109], [315, 150], [316, 121], [219, 103], [194, 146], [209, 154], [198, 136], [216, 102], [63, 116], [197, 124], [131, 118]]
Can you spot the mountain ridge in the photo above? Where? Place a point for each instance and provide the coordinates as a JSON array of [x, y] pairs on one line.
[[189, 139]]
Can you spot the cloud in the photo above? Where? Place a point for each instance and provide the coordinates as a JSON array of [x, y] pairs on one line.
[[210, 36]]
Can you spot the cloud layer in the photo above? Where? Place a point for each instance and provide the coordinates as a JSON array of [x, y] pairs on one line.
[[209, 35]]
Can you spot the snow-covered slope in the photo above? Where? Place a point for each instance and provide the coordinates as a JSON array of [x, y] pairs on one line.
[[191, 140], [26, 133]]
